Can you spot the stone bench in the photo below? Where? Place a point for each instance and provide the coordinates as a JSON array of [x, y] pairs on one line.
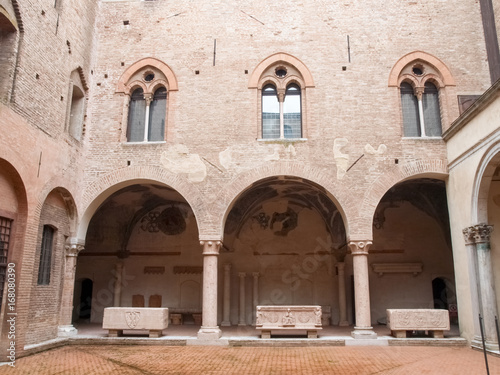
[[432, 320], [117, 319], [283, 318]]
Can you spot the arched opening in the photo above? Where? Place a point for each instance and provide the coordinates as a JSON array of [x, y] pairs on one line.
[[141, 247], [411, 262], [283, 238]]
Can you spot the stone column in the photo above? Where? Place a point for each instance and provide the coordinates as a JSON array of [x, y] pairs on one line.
[[226, 322], [209, 329], [117, 296], [480, 234], [255, 296], [242, 320], [342, 295], [362, 328], [73, 248]]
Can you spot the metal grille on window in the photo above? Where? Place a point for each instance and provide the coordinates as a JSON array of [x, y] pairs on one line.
[[5, 228], [45, 255], [136, 116], [409, 104], [270, 113], [157, 111], [432, 115], [292, 112]]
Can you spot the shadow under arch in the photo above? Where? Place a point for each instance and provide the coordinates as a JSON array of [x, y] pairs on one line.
[[432, 168], [105, 186], [321, 179]]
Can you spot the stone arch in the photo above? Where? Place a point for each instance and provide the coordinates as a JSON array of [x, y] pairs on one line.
[[97, 192], [280, 57], [322, 178], [361, 227], [482, 182], [423, 56], [148, 61]]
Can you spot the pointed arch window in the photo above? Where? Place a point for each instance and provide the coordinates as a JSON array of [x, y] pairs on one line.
[[157, 112], [136, 116]]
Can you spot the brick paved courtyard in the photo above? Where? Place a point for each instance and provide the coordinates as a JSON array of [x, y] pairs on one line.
[[133, 359]]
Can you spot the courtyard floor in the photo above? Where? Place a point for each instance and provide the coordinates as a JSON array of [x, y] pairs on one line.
[[138, 359]]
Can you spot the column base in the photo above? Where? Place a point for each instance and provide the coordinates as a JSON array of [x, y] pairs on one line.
[[65, 331], [209, 333], [363, 333], [491, 346], [344, 323], [225, 324]]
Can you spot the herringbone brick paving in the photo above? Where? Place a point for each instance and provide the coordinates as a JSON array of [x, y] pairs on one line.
[[121, 359]]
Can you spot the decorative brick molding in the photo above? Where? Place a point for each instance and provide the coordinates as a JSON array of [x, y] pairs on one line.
[[276, 58], [446, 76], [148, 61]]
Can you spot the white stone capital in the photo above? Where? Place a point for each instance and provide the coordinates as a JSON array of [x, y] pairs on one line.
[[359, 247]]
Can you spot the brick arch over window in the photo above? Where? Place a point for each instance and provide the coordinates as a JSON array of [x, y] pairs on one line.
[[256, 75], [98, 191], [361, 226], [323, 178], [447, 78], [152, 62]]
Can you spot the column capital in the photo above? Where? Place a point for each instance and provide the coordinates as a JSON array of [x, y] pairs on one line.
[[359, 247], [73, 247], [211, 247], [242, 274], [479, 233], [255, 274]]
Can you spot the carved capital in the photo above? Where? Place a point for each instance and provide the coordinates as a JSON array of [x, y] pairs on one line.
[[419, 91], [242, 275], [148, 98], [211, 247], [477, 233], [255, 275], [359, 247], [73, 247], [281, 95]]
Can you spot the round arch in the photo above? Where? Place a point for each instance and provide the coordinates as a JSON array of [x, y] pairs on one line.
[[96, 193], [433, 168], [321, 178], [482, 182], [253, 82], [148, 61]]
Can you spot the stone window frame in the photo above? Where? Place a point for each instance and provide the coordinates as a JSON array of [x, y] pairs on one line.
[[46, 251], [77, 104], [265, 74], [10, 36], [134, 78], [433, 71]]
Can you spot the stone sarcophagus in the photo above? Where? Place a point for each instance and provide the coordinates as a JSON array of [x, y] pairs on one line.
[[275, 318], [153, 319], [402, 320]]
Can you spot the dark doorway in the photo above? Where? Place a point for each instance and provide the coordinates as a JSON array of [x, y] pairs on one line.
[[86, 299], [439, 294]]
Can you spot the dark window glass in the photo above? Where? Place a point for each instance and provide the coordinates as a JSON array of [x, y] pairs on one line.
[[45, 255], [292, 116], [270, 113], [157, 111], [432, 114], [136, 116], [5, 228], [409, 104]]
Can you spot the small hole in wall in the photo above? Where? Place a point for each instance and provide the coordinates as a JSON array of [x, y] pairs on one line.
[[344, 68], [105, 76], [246, 71], [122, 63], [62, 98], [37, 76], [396, 161], [128, 162], [43, 13], [126, 22], [196, 72]]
